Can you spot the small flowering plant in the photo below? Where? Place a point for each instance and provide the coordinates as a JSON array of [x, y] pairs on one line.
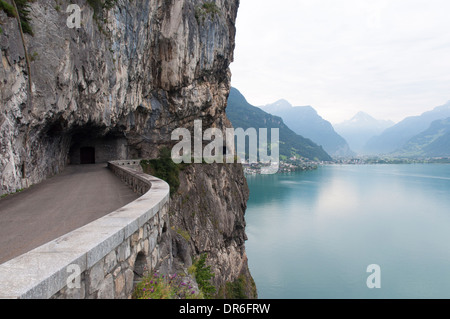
[[165, 287]]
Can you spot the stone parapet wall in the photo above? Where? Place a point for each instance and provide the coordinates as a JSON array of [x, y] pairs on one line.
[[130, 172]]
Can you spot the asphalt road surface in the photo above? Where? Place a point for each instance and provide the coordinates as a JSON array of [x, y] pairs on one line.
[[70, 200]]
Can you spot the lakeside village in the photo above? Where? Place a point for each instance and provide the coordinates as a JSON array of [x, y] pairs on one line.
[[367, 160], [286, 165], [295, 164]]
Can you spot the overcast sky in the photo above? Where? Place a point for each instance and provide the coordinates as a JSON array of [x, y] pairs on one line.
[[389, 58]]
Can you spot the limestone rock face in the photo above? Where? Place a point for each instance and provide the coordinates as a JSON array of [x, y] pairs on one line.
[[137, 70], [121, 83]]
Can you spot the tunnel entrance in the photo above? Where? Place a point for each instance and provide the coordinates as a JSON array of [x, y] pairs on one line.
[[87, 155], [90, 145]]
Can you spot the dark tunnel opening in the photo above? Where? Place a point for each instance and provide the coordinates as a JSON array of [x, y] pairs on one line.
[[90, 145]]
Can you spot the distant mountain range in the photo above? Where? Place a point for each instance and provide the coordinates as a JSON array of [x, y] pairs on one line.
[[244, 115], [360, 129], [396, 137], [434, 142], [305, 121], [304, 132]]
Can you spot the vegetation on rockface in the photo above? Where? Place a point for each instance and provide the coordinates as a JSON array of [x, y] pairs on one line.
[[183, 233], [208, 8], [164, 168], [178, 286], [241, 288], [23, 8], [100, 5], [203, 276], [7, 8], [166, 287]]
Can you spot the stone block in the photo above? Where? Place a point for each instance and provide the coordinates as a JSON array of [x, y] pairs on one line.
[[129, 282], [155, 257], [124, 251], [119, 285], [117, 271], [146, 247], [96, 276], [106, 288], [76, 293], [110, 261]]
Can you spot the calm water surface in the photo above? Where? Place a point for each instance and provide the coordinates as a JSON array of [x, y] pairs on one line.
[[313, 234]]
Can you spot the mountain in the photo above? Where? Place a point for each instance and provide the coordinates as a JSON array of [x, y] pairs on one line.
[[398, 135], [305, 121], [433, 142], [244, 115], [359, 129]]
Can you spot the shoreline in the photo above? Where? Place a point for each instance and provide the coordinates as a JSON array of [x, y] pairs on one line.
[[303, 166]]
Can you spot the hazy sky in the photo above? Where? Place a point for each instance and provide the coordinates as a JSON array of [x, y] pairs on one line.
[[389, 58]]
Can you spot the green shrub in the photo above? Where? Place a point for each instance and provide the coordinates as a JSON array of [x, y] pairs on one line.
[[99, 5], [208, 8], [242, 288], [165, 287], [236, 289], [164, 168], [7, 8], [203, 276], [183, 233], [23, 7]]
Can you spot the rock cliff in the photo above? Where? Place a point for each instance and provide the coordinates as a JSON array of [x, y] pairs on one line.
[[121, 83], [209, 213], [137, 70]]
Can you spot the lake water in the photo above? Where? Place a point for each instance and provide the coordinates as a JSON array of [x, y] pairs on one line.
[[313, 234]]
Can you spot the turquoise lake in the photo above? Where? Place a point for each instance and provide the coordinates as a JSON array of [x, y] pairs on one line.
[[313, 234]]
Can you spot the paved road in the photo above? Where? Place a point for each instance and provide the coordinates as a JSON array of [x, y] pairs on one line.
[[44, 212]]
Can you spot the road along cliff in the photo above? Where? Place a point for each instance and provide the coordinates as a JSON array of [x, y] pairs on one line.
[[94, 81]]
